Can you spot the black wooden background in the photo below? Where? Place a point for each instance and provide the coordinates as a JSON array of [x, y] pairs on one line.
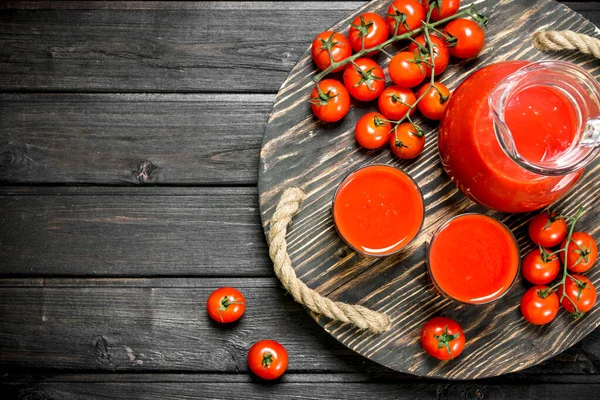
[[129, 141]]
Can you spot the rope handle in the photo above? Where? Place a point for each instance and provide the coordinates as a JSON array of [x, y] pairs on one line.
[[566, 40], [362, 317], [289, 205]]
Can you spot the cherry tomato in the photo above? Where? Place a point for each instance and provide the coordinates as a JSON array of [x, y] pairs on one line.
[[547, 230], [580, 292], [372, 130], [539, 307], [394, 102], [334, 41], [407, 142], [333, 104], [540, 268], [364, 79], [433, 104], [226, 305], [582, 252], [441, 57], [442, 338], [441, 8], [268, 359], [405, 71], [405, 15], [369, 26], [469, 37]]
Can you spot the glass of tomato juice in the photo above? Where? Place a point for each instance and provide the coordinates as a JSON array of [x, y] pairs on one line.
[[378, 210], [473, 259]]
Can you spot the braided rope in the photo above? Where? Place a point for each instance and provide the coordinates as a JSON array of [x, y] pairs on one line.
[[362, 317], [566, 40]]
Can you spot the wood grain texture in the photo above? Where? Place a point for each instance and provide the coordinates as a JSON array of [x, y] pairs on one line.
[[140, 325], [136, 232], [161, 47], [206, 47], [120, 139], [299, 151], [160, 324], [316, 389]]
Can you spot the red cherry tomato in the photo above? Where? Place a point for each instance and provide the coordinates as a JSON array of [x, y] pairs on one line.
[[334, 41], [369, 26], [441, 8], [407, 142], [539, 307], [547, 230], [226, 305], [372, 130], [540, 269], [404, 15], [333, 104], [268, 359], [582, 252], [394, 102], [469, 35], [433, 104], [442, 338], [364, 79], [441, 57], [580, 292], [405, 71]]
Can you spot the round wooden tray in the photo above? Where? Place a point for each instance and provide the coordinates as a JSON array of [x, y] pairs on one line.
[[300, 151]]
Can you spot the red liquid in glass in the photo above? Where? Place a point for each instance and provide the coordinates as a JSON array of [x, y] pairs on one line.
[[378, 210], [543, 124], [473, 259]]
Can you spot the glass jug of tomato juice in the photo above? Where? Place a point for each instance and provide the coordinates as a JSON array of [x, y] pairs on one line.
[[515, 136]]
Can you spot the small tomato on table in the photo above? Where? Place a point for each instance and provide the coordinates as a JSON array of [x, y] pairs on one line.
[[442, 338], [226, 305], [267, 359]]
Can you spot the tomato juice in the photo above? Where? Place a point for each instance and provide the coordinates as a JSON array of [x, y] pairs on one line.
[[473, 258], [540, 121], [378, 210]]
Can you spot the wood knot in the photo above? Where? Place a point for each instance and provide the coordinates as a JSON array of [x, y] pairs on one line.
[[145, 172], [103, 352], [31, 394], [10, 157], [464, 391], [342, 252]]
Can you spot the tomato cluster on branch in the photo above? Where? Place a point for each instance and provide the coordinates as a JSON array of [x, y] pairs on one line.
[[435, 30], [578, 253]]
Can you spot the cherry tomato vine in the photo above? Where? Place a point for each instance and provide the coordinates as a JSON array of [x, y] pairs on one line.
[[567, 280], [406, 25]]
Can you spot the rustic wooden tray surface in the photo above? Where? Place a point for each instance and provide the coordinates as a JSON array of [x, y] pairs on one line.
[[300, 151]]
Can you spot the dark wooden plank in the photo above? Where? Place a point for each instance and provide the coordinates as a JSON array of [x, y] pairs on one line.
[[121, 139], [100, 324], [202, 47], [288, 388], [131, 232], [398, 285], [183, 5], [387, 376], [141, 47], [152, 325]]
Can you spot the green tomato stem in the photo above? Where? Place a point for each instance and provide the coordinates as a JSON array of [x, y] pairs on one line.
[[565, 269], [391, 40]]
